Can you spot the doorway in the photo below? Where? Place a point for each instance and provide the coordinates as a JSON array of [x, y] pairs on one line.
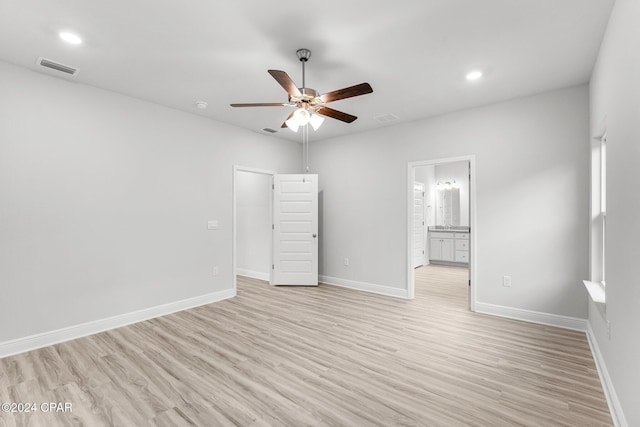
[[275, 227], [252, 220], [448, 214]]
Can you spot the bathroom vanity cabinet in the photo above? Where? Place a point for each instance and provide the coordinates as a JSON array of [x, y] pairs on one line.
[[449, 246]]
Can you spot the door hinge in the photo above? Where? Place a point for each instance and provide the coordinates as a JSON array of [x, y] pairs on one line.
[[423, 194], [469, 282], [273, 267], [273, 226], [273, 186]]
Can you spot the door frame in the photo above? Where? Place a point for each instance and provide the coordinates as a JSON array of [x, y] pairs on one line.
[[411, 166], [234, 208]]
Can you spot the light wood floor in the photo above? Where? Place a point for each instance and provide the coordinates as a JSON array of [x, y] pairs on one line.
[[317, 356]]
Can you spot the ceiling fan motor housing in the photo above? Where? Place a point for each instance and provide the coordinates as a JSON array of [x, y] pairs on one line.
[[303, 54], [307, 96]]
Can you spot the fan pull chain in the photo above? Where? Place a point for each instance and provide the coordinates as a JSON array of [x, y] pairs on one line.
[[305, 148]]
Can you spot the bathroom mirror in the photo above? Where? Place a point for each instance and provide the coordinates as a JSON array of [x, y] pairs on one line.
[[448, 206]]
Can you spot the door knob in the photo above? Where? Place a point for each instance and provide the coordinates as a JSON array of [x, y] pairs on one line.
[[314, 236]]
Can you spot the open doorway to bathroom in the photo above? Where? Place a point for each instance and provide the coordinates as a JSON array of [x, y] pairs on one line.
[[440, 232]]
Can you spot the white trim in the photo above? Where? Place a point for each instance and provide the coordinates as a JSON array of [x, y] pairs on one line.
[[596, 291], [253, 170], [557, 320], [363, 286], [234, 221], [410, 286], [33, 342], [615, 408], [253, 274]]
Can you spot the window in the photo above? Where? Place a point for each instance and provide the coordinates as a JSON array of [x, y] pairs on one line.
[[596, 285], [603, 206]]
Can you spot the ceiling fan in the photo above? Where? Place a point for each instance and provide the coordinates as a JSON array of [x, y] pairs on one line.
[[310, 106]]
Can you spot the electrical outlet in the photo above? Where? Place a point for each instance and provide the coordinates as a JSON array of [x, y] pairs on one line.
[[506, 281], [216, 271], [346, 261]]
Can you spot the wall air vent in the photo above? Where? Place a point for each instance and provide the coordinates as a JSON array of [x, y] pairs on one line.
[[53, 65], [269, 130]]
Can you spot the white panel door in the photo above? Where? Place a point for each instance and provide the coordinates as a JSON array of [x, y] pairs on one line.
[[295, 230], [418, 224]]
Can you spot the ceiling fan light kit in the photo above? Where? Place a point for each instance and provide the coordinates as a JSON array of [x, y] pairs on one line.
[[309, 104]]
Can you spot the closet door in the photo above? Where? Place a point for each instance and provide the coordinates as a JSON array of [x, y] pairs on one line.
[[295, 230]]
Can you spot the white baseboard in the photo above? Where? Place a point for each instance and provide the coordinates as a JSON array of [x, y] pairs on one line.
[[21, 345], [366, 287], [565, 322], [609, 392], [252, 274]]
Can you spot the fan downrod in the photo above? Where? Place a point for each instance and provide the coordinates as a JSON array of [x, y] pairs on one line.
[[303, 55]]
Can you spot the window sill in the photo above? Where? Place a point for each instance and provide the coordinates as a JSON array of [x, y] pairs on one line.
[[596, 291]]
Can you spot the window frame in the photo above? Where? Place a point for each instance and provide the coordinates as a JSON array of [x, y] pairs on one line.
[[596, 285], [603, 208]]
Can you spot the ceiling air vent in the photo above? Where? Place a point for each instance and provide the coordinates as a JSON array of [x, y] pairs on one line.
[[386, 118], [47, 63], [269, 130]]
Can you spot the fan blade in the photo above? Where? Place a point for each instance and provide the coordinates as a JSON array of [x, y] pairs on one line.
[[335, 114], [263, 104], [286, 82], [284, 124], [347, 92]]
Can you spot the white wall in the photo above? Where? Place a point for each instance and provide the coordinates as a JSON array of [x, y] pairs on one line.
[[615, 107], [532, 197], [253, 232], [104, 202]]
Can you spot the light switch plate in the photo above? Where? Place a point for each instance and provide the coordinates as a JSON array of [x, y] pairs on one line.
[[212, 225]]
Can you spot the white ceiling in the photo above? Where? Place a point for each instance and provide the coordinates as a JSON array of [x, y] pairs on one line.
[[415, 54]]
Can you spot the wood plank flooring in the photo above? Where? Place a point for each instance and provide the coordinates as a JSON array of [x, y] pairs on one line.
[[321, 356]]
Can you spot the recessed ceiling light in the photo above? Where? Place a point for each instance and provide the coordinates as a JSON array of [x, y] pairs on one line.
[[70, 37], [474, 75]]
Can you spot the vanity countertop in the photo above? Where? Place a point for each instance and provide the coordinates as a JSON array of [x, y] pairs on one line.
[[451, 229]]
